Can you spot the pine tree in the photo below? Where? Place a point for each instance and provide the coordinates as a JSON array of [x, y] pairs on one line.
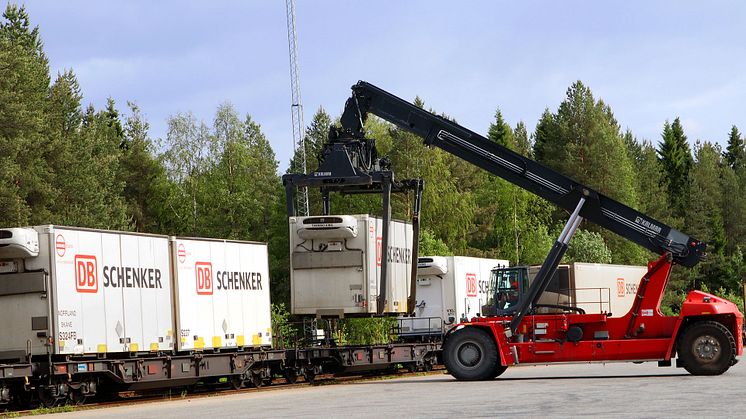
[[142, 174], [315, 136], [703, 211], [25, 193], [500, 132], [583, 141], [734, 153], [676, 160], [522, 141]]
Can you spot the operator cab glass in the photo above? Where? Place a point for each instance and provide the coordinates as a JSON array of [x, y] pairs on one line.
[[506, 288]]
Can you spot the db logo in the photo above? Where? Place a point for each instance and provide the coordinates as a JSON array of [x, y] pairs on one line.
[[471, 285], [203, 273], [86, 273], [620, 288], [378, 251]]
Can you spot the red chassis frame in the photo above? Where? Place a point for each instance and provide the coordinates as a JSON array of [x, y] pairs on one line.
[[643, 334]]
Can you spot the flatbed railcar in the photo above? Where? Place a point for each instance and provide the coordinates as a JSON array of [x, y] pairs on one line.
[[77, 378], [88, 312]]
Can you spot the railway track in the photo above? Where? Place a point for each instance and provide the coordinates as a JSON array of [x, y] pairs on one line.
[[128, 398]]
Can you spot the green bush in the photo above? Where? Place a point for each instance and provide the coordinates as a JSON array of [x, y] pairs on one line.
[[282, 331], [367, 331]]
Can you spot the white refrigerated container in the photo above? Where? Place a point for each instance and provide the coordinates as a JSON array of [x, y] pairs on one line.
[[86, 291], [222, 294], [335, 265], [450, 289]]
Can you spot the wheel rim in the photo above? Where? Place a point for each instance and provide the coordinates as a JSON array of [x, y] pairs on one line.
[[706, 348], [469, 354]]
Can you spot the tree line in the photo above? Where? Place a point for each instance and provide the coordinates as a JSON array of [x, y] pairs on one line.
[[65, 163]]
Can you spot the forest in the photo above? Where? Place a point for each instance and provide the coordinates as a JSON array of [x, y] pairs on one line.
[[66, 162]]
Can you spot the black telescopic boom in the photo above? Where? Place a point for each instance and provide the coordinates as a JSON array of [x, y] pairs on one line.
[[519, 170]]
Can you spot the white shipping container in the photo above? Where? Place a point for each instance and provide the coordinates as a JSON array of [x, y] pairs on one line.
[[92, 291], [594, 287], [222, 297], [335, 265], [615, 284], [452, 288]]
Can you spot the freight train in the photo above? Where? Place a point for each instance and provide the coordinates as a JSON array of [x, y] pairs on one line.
[[89, 311]]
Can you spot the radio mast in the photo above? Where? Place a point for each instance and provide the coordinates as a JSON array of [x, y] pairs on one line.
[[296, 106]]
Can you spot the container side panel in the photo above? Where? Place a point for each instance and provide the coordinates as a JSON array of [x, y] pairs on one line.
[[223, 294], [253, 261], [224, 301], [145, 279], [88, 310], [194, 282], [127, 279]]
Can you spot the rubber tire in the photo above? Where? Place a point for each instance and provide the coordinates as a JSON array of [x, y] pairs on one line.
[[487, 365], [698, 366]]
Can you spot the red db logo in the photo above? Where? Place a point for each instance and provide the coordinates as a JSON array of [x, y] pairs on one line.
[[471, 285], [86, 273], [620, 288], [203, 273]]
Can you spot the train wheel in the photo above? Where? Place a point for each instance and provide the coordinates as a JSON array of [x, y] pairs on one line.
[[46, 398], [412, 367], [310, 376], [76, 397], [707, 348], [471, 354], [236, 382], [291, 376], [256, 379]]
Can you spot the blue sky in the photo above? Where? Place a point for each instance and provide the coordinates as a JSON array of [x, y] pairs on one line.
[[651, 61]]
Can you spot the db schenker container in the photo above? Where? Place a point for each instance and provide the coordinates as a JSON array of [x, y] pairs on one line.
[[453, 288], [335, 265], [66, 290], [594, 287], [83, 291], [222, 298]]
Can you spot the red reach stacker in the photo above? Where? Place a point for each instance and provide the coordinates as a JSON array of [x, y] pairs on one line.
[[705, 338]]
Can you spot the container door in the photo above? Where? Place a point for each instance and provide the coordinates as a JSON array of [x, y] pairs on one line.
[[430, 303]]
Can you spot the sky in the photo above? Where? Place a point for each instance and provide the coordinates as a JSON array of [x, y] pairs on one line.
[[651, 61]]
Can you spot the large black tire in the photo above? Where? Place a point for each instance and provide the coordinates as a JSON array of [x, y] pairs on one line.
[[471, 354], [707, 348]]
